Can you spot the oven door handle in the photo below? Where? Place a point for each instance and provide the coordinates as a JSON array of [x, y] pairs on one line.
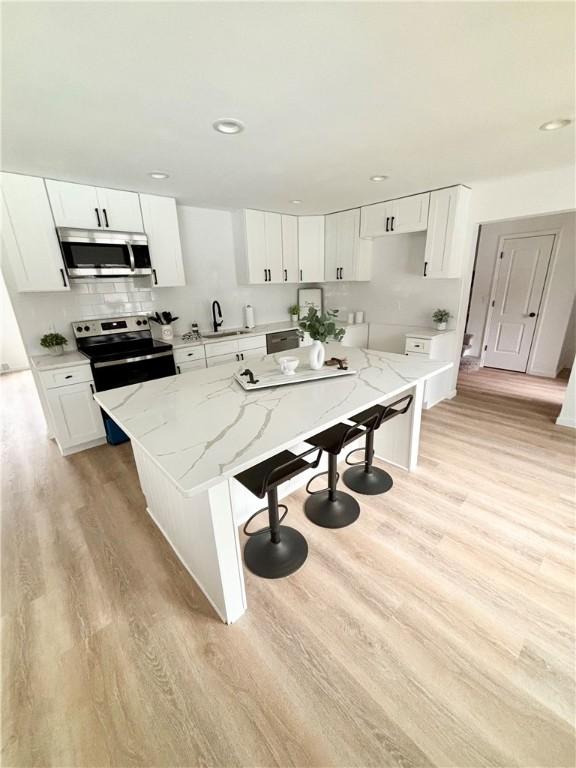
[[108, 363], [131, 256]]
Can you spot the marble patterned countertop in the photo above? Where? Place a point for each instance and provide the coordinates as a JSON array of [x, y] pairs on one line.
[[201, 426]]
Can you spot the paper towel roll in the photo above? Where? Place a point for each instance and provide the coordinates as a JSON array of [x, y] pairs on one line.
[[248, 316]]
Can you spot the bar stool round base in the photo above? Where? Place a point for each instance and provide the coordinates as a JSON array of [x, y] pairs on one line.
[[343, 511], [369, 483], [273, 561]]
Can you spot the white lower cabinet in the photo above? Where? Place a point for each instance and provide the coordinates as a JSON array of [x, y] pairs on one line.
[[192, 365], [438, 346], [76, 417], [235, 350], [231, 357]]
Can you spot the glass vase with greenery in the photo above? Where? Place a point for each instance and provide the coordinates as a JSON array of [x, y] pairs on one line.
[[320, 327]]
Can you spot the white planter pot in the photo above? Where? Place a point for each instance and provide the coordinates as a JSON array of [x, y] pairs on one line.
[[56, 351], [167, 332], [440, 326], [294, 319], [317, 355]]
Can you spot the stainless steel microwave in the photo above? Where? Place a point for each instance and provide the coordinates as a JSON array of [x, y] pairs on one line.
[[104, 253]]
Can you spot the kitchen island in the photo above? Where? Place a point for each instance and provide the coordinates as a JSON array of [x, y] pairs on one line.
[[191, 434]]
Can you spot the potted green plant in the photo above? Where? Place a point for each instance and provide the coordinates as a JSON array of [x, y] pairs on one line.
[[440, 318], [54, 343], [294, 311], [164, 320], [320, 327]]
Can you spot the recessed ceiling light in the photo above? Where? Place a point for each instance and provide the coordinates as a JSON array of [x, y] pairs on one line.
[[228, 125], [158, 175], [296, 202], [553, 125], [378, 178]]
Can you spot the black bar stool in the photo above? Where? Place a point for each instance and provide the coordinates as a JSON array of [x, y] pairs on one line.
[[362, 476], [285, 550], [330, 507]]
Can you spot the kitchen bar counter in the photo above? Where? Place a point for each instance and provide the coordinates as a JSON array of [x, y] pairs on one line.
[[191, 434]]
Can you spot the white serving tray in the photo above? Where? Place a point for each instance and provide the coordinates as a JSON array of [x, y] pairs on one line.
[[268, 376]]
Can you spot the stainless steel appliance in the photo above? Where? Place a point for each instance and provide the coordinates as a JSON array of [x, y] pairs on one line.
[[122, 351], [104, 253], [278, 342]]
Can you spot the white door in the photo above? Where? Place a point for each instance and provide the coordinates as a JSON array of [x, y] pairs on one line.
[[256, 246], [120, 210], [161, 225], [410, 214], [290, 248], [273, 235], [29, 241], [311, 248], [74, 205], [75, 415], [520, 274]]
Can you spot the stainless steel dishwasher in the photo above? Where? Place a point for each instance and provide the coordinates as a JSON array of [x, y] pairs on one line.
[[278, 342]]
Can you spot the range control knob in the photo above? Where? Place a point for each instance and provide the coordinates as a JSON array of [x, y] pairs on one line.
[[138, 322], [86, 327], [144, 321], [79, 328]]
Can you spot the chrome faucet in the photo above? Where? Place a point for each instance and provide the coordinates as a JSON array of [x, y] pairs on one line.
[[215, 323]]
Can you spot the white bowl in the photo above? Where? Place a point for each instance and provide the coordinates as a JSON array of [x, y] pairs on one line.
[[288, 365]]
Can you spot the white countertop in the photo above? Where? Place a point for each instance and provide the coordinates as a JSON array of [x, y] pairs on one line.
[[426, 333], [48, 362], [201, 426], [258, 330]]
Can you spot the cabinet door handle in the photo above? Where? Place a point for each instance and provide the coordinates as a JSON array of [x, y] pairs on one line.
[[155, 277], [92, 388], [190, 354], [242, 355], [387, 223], [265, 275], [392, 224], [425, 268], [178, 369], [70, 375], [63, 278], [97, 216], [341, 273], [105, 217], [300, 275], [285, 275]]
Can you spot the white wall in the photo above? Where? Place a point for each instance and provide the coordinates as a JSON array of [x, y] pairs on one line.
[[559, 290], [509, 198], [569, 347], [12, 352], [567, 417]]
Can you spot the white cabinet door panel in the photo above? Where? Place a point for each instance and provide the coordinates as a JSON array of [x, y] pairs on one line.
[[221, 359], [253, 354], [192, 365], [160, 221], [273, 239], [76, 416], [410, 214], [447, 221], [375, 219], [29, 240], [347, 236], [119, 209], [331, 264], [311, 248], [290, 248], [74, 205], [255, 246]]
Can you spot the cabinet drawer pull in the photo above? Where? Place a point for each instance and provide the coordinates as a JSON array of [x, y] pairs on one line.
[[63, 278], [155, 277], [97, 216], [105, 217], [69, 376], [341, 273], [178, 369], [425, 268], [92, 388], [190, 354], [285, 275], [300, 275]]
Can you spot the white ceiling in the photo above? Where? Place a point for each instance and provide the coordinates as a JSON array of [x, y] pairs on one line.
[[430, 94]]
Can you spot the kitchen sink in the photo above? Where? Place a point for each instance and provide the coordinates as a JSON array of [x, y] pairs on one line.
[[222, 334]]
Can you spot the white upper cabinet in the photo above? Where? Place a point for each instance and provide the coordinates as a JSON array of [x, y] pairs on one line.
[[447, 222], [410, 214], [161, 226], [261, 242], [30, 244], [347, 257], [290, 249], [86, 207], [311, 248], [395, 217]]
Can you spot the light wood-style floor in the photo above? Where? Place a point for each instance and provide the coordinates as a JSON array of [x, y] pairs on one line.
[[438, 630]]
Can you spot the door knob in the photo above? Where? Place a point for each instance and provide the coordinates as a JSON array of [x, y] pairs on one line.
[[532, 314]]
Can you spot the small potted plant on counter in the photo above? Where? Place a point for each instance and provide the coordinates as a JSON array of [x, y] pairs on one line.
[[54, 343], [320, 328], [164, 320], [440, 318], [294, 311]]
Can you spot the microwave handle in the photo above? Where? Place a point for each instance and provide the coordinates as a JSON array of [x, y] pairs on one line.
[[131, 255]]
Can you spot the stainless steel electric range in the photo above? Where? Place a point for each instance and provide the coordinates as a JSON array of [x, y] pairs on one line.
[[122, 351]]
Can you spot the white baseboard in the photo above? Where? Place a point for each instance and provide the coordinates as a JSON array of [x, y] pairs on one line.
[[562, 421]]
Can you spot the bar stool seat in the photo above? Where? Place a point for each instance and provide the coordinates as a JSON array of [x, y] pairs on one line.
[[363, 476], [285, 549]]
